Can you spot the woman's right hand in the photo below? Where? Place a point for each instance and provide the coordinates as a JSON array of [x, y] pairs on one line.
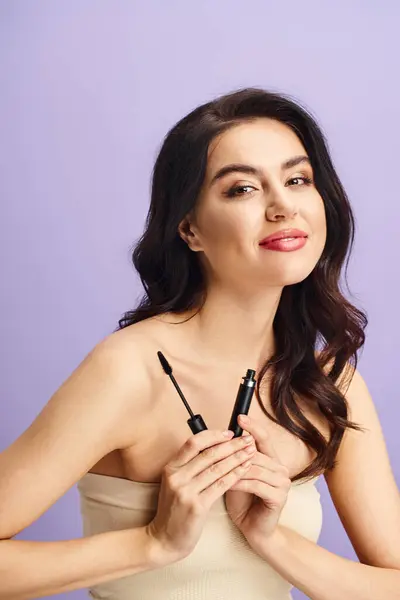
[[205, 467]]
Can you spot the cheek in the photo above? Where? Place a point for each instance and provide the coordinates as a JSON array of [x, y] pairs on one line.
[[316, 218], [317, 221], [322, 221], [227, 228]]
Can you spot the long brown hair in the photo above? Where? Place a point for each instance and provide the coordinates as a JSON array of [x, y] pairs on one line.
[[310, 313]]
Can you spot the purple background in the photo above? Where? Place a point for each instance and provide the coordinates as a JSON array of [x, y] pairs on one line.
[[88, 89]]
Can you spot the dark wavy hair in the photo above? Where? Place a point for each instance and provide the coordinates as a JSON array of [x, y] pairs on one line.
[[310, 312]]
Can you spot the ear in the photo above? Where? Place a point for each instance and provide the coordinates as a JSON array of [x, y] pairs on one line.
[[188, 232]]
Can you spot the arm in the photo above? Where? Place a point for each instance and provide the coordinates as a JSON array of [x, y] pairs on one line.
[[366, 497], [38, 569], [322, 575], [90, 415]]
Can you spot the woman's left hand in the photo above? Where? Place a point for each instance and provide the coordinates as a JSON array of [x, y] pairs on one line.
[[256, 501]]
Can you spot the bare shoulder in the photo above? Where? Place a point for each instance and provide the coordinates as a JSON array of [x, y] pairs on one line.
[[118, 365], [362, 482], [88, 416]]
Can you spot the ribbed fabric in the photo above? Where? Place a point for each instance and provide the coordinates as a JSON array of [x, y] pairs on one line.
[[221, 567]]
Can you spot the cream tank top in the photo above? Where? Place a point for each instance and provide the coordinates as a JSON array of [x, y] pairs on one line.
[[222, 566]]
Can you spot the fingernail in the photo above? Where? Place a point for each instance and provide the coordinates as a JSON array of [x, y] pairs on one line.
[[228, 433], [244, 419], [250, 449]]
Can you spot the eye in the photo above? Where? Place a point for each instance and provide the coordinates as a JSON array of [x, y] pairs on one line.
[[304, 180], [237, 190]]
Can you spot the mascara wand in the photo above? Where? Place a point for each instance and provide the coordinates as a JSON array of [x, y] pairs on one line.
[[195, 422]]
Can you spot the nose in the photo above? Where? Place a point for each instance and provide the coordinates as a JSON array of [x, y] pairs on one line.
[[280, 205]]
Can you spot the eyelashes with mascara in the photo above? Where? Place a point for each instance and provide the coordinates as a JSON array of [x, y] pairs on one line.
[[233, 192]]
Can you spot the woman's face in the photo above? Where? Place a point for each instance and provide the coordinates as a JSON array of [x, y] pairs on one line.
[[237, 208]]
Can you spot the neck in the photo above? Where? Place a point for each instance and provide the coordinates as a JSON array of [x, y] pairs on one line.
[[235, 329]]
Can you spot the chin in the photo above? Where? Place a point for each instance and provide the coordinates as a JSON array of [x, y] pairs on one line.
[[289, 276]]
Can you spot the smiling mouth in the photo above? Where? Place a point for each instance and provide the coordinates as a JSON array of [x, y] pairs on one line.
[[287, 244], [284, 234]]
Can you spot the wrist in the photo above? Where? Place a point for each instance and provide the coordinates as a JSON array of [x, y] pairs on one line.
[[157, 554], [267, 546]]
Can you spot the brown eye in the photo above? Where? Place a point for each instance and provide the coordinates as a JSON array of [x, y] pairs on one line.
[[304, 180], [238, 190]]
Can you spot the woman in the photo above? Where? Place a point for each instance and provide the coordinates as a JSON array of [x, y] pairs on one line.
[[172, 515]]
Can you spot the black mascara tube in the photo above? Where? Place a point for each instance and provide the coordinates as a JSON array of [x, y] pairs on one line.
[[196, 422], [243, 401]]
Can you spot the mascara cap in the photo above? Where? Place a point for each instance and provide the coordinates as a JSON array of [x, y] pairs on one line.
[[196, 424]]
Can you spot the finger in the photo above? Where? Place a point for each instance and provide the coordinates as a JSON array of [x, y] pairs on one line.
[[221, 486], [270, 495], [218, 470], [196, 444], [260, 433], [211, 459], [262, 460], [269, 477], [266, 462]]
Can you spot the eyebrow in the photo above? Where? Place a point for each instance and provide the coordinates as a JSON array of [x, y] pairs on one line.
[[242, 168]]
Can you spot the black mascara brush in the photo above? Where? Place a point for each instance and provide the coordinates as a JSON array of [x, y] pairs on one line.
[[195, 422]]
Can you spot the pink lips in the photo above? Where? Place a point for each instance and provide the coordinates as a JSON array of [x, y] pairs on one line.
[[285, 240]]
